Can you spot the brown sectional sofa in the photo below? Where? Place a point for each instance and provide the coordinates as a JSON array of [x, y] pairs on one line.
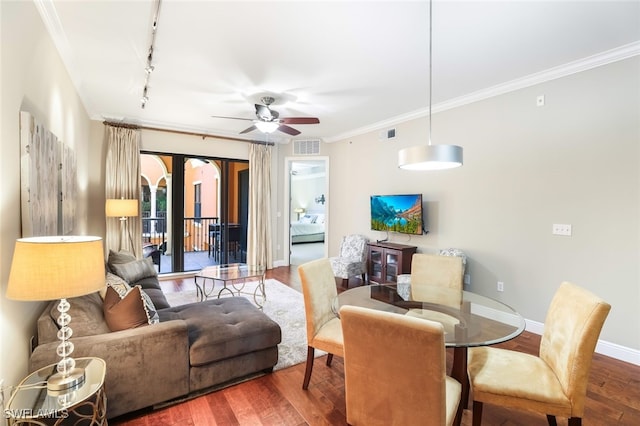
[[194, 347]]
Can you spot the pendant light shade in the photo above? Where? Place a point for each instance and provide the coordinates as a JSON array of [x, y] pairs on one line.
[[430, 157]]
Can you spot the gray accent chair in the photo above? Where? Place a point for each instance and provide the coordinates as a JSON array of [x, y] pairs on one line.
[[352, 260]]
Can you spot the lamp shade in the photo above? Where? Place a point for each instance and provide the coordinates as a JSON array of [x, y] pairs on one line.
[[121, 207], [49, 268], [430, 157]]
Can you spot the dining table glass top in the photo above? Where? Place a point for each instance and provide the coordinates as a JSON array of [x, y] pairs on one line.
[[469, 319]]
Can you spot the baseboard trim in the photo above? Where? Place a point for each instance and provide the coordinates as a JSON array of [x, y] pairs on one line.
[[609, 349]]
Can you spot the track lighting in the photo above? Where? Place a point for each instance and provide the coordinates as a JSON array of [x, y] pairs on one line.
[[149, 68]]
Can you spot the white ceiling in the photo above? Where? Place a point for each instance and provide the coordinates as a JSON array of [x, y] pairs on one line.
[[356, 65]]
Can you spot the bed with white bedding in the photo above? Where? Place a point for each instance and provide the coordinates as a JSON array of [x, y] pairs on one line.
[[309, 229]]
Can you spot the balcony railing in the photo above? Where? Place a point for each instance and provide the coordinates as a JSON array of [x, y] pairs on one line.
[[196, 231]]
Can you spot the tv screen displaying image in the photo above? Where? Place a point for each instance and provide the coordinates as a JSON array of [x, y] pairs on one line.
[[397, 213]]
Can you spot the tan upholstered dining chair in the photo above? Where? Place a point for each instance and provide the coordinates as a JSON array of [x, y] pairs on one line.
[[429, 270], [324, 331], [394, 368], [555, 382]]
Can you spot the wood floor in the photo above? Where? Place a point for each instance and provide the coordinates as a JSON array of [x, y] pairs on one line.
[[613, 395]]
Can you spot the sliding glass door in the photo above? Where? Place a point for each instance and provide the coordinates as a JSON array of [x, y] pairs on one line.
[[194, 210]]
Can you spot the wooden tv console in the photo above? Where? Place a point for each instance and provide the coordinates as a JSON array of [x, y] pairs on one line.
[[385, 261]]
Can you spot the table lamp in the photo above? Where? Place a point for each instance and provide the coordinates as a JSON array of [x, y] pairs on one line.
[[122, 208], [61, 267], [300, 211]]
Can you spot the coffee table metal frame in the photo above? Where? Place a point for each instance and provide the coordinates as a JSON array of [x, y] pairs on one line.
[[233, 278]]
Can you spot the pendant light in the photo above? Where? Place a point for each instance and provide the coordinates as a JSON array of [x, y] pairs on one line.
[[430, 157]]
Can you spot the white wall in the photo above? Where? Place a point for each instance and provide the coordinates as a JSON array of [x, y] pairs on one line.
[[33, 79], [304, 190], [575, 160]]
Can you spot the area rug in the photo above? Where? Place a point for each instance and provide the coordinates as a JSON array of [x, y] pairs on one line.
[[284, 305]]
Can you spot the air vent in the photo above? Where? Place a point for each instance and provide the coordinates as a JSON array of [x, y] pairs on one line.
[[387, 134], [306, 147]]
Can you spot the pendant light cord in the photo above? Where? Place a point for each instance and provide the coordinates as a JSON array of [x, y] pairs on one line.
[[430, 62]]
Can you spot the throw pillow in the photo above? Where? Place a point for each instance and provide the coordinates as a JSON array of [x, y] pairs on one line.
[[116, 257], [132, 272], [125, 313], [118, 284], [308, 218], [122, 288], [149, 308]]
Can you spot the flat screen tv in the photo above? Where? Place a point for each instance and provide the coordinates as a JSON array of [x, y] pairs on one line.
[[397, 213]]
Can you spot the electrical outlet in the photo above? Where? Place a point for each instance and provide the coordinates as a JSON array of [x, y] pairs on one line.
[[500, 286], [467, 279], [561, 229]]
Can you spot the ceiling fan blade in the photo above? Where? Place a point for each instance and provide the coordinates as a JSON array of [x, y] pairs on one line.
[[248, 129], [288, 130], [300, 120], [232, 118]]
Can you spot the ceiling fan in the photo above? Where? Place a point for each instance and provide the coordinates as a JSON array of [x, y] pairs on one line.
[[268, 120]]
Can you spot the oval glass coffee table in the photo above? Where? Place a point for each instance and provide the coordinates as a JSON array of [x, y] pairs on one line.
[[473, 320]]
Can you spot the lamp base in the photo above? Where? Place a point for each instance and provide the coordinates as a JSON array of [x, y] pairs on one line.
[[59, 382]]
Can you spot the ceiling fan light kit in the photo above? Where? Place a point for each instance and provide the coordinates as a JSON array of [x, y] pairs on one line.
[[268, 120], [430, 157], [267, 126]]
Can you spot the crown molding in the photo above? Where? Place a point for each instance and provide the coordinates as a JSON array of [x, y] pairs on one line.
[[584, 64]]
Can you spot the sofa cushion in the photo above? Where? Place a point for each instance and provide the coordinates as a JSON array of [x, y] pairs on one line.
[[121, 256], [151, 286], [124, 313], [134, 271], [87, 318], [224, 328]]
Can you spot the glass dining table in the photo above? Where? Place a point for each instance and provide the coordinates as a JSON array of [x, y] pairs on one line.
[[468, 319]]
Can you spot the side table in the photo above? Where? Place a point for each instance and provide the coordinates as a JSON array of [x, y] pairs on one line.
[[32, 404]]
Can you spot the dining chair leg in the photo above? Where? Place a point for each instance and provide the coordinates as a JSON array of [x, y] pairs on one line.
[[459, 372], [551, 420], [457, 421], [477, 413], [329, 359], [307, 372]]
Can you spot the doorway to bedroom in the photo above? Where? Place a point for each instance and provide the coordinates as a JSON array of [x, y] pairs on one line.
[[307, 209]]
